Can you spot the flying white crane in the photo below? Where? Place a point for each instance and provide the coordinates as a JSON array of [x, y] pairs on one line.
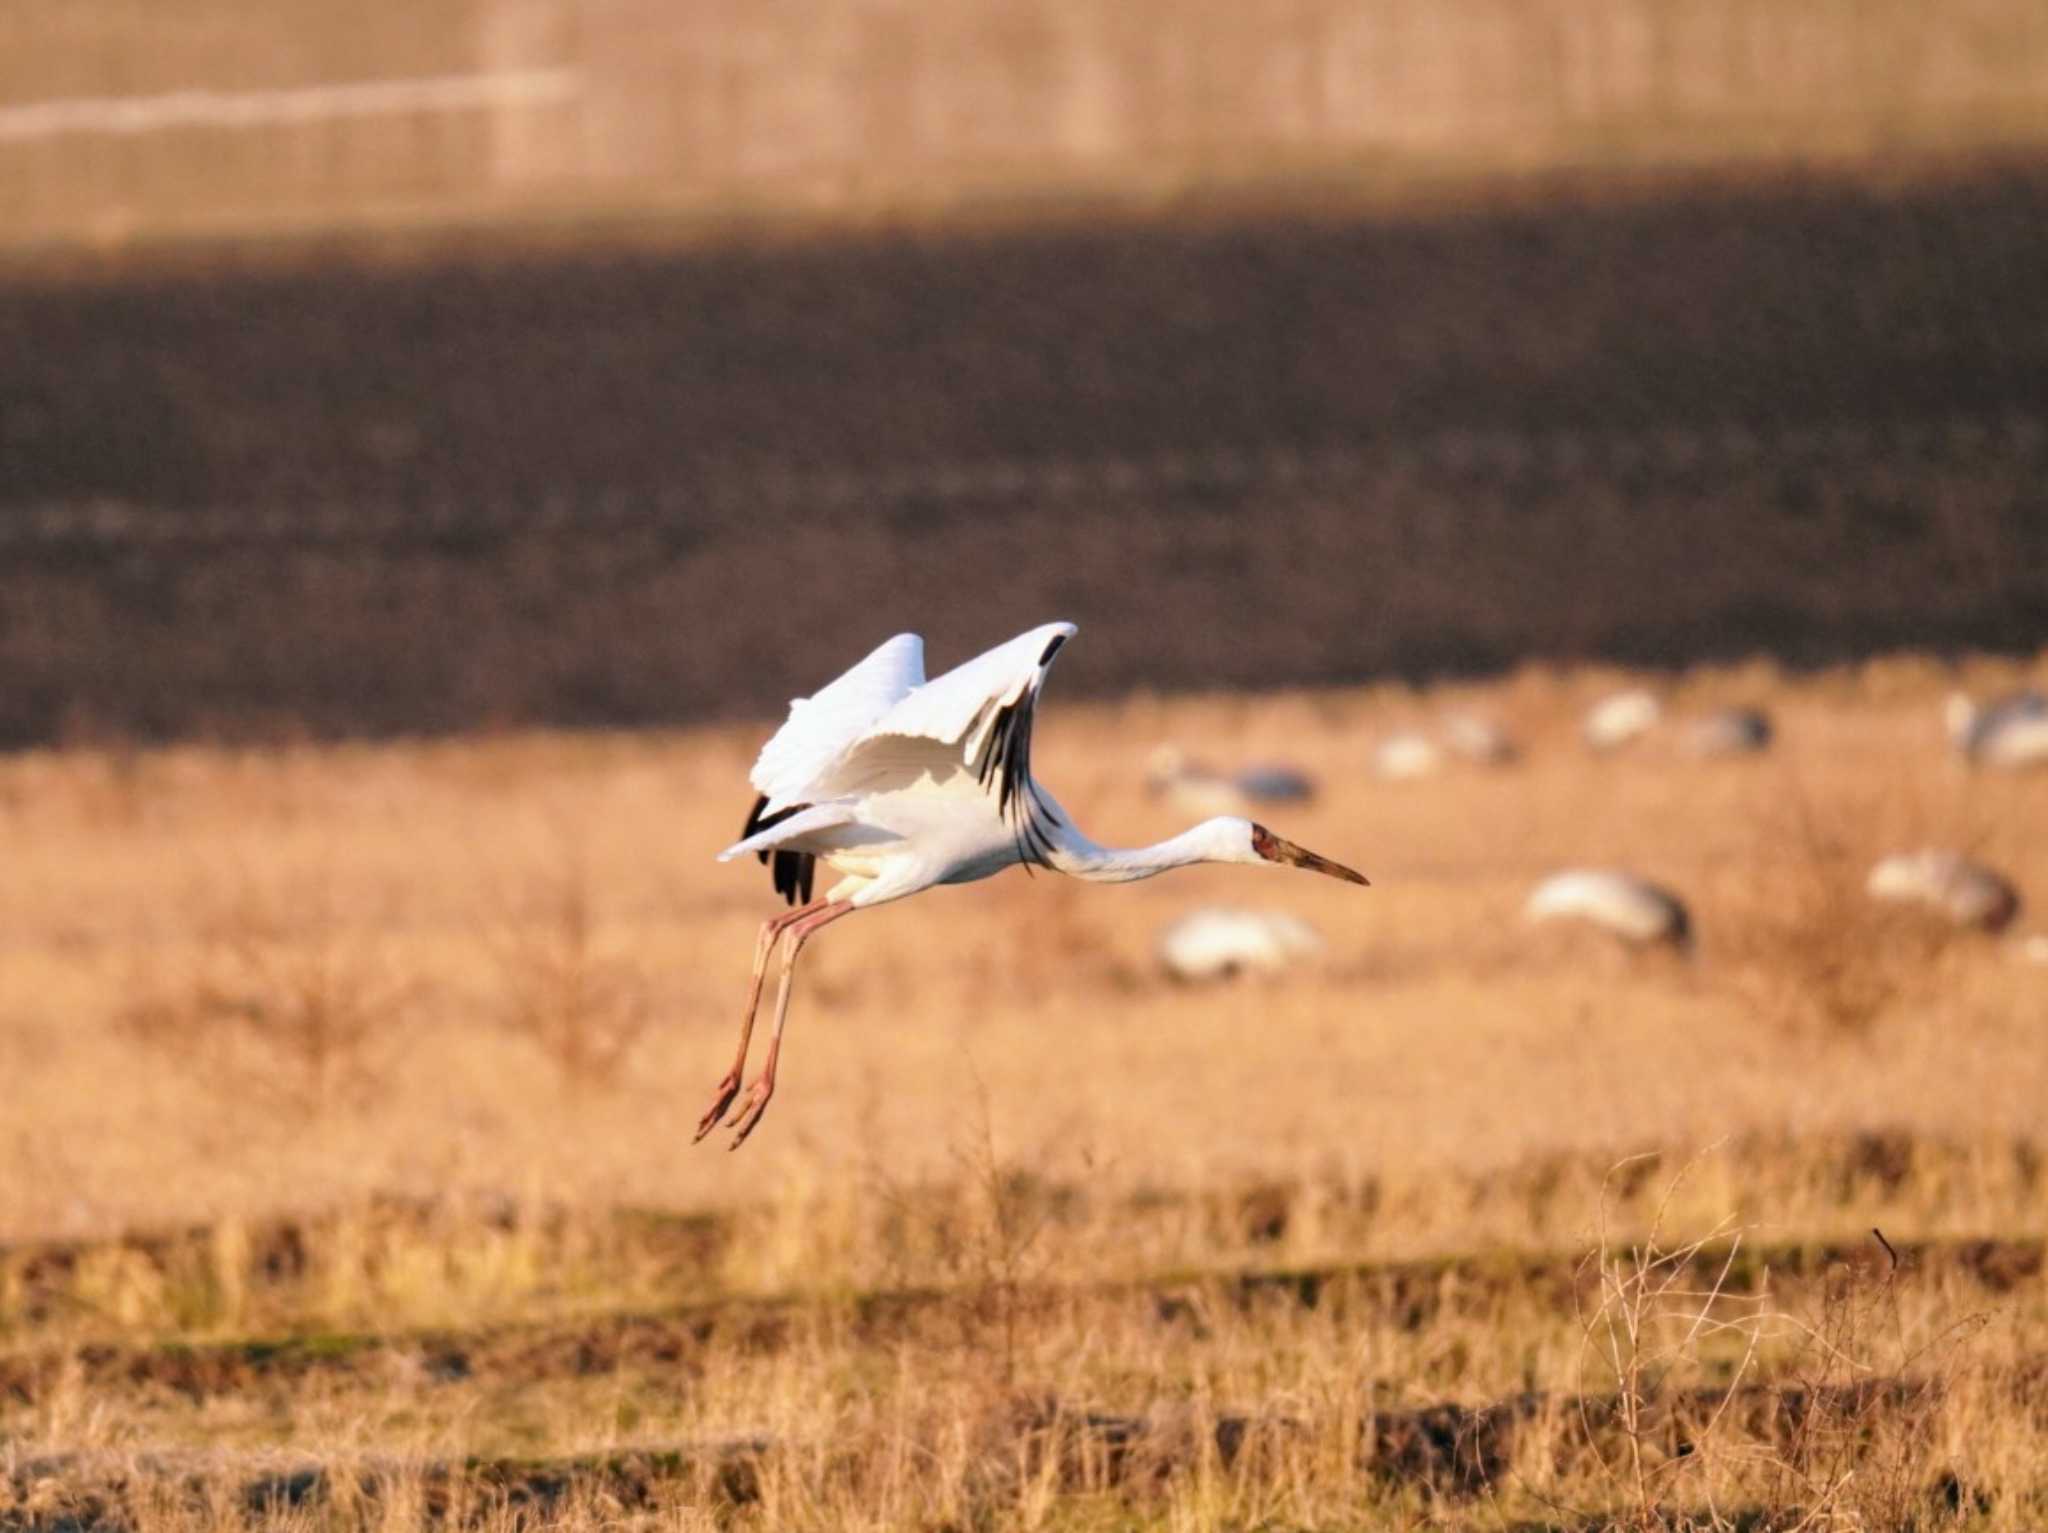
[[898, 784]]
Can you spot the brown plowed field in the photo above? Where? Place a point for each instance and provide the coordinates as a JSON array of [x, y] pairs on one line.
[[1807, 419]]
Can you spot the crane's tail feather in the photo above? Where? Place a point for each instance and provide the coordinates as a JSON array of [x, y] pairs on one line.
[[778, 830]]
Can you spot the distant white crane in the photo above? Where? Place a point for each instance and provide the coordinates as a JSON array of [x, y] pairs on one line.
[[898, 784], [1479, 739], [1194, 787], [2010, 732], [1621, 719], [1406, 756], [1966, 893], [1634, 909], [1729, 732], [1218, 941], [1410, 754]]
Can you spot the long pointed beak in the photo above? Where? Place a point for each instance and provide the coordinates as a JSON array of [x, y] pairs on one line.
[[1300, 857]]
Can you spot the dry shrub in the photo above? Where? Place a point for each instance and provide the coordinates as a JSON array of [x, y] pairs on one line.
[[304, 1016], [979, 1237], [583, 1006], [1860, 1403], [1683, 1383], [1649, 1326], [1810, 947]]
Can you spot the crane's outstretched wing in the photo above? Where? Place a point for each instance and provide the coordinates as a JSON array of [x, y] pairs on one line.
[[817, 733], [973, 722], [820, 728], [974, 719]]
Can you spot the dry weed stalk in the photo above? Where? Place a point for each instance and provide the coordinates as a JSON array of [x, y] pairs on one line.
[[995, 1254], [1648, 1323], [980, 1237], [1861, 1401], [582, 1007]]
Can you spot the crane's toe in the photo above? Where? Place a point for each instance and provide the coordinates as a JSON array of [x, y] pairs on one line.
[[750, 1113], [721, 1099]]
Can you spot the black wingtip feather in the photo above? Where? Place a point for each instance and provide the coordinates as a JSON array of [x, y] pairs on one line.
[[794, 873], [1006, 760]]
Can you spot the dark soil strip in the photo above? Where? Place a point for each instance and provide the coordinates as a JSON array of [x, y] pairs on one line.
[[1799, 417], [1408, 1295]]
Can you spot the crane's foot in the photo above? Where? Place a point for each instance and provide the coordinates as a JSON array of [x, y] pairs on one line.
[[721, 1099], [751, 1110]]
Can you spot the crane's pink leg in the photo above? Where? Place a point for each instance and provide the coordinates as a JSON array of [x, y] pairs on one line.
[[764, 1083], [764, 944]]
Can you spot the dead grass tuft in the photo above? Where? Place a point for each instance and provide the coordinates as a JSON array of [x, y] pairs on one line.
[[566, 990], [1811, 949], [304, 1014]]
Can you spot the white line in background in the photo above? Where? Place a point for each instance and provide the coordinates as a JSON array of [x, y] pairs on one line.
[[310, 103]]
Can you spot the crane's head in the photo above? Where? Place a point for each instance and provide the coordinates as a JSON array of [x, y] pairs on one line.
[[1267, 847]]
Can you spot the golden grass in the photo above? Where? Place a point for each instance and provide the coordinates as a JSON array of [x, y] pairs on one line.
[[387, 1057]]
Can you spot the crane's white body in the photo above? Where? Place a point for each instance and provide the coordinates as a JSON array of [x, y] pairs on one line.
[[899, 784]]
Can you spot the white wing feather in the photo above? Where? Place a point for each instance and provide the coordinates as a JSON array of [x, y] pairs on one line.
[[940, 730], [880, 727], [960, 707], [822, 727]]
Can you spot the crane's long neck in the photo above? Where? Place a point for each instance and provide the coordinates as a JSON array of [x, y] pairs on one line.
[[1077, 856]]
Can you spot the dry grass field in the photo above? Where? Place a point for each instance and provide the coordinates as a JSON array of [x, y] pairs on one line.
[[347, 1177]]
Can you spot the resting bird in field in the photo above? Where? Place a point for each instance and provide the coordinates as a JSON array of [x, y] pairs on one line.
[[898, 784], [2010, 732], [1639, 912], [1480, 740], [1947, 883], [1729, 732], [1621, 719], [1195, 788], [1406, 757], [1217, 942]]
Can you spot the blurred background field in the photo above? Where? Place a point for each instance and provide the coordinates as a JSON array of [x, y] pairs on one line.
[[1644, 331], [434, 443]]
